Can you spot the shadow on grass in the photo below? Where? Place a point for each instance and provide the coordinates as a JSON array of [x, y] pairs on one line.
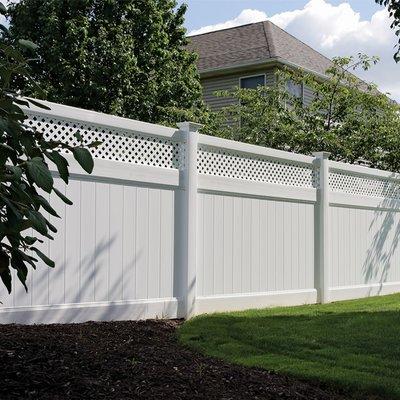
[[356, 351]]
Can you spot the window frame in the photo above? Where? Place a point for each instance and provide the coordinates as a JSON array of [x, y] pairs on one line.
[[302, 93], [264, 75]]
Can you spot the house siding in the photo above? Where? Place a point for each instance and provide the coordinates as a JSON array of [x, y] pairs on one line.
[[228, 82], [308, 95]]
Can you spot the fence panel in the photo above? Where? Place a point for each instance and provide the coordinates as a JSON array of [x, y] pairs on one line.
[[256, 226], [114, 250], [365, 232], [254, 245], [173, 223]]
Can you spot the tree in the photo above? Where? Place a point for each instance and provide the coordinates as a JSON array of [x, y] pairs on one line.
[[347, 117], [394, 12], [24, 169], [123, 57]]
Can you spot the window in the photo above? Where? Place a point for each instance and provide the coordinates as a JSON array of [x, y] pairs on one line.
[[295, 89], [252, 82]]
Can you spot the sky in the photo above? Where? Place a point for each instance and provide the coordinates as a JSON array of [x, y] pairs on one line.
[[333, 27]]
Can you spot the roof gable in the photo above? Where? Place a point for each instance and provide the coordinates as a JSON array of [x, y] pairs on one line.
[[253, 44], [231, 47]]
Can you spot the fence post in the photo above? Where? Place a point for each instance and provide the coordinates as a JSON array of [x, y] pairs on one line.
[[323, 228], [190, 131]]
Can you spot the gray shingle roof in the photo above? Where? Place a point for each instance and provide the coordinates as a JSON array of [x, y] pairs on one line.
[[254, 43]]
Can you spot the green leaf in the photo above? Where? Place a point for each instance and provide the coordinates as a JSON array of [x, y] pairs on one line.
[[65, 199], [11, 209], [4, 261], [46, 259], [46, 205], [24, 225], [38, 221], [3, 9], [22, 273], [95, 143], [28, 44], [4, 29], [40, 174], [6, 147], [61, 163], [19, 256], [5, 273], [28, 141], [30, 240], [18, 263], [51, 227], [84, 158], [6, 278], [15, 172]]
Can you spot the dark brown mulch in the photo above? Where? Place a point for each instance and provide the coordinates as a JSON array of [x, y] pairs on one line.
[[127, 360]]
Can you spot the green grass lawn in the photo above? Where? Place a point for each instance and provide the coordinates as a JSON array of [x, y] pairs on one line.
[[353, 345]]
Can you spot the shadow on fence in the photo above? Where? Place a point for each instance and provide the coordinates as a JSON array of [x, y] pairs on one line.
[[379, 258], [67, 309]]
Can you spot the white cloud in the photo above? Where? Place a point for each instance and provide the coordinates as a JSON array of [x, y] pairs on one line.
[[337, 30], [247, 16]]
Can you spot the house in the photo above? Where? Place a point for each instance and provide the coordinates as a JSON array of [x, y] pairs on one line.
[[248, 55]]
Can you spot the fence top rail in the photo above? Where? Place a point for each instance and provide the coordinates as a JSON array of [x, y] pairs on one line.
[[251, 149], [363, 171], [98, 119]]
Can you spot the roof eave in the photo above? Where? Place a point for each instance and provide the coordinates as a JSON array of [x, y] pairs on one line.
[[271, 62]]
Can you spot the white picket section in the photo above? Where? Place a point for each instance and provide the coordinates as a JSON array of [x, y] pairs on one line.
[[173, 223]]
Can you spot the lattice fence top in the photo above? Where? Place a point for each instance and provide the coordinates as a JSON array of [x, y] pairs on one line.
[[156, 151], [118, 145], [233, 164], [344, 182]]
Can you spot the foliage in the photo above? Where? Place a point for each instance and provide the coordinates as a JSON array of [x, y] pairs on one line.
[[122, 57], [351, 346], [346, 117], [25, 178], [171, 115], [394, 12]]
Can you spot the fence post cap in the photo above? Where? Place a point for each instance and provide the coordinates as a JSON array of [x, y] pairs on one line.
[[188, 126], [321, 154]]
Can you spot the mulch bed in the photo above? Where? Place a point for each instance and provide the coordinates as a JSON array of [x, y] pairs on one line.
[[127, 360]]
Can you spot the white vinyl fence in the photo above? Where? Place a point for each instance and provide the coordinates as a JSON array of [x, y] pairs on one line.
[[173, 223]]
